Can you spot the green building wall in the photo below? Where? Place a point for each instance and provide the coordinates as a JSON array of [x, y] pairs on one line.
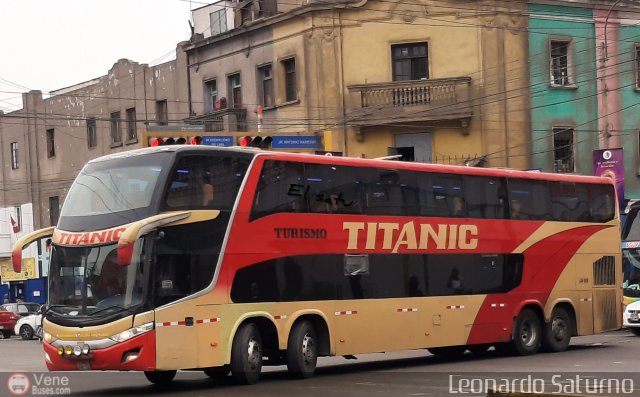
[[575, 107]]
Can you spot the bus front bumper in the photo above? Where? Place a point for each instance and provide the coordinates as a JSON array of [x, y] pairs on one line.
[[135, 354]]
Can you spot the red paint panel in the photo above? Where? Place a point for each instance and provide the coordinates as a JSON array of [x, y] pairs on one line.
[[544, 262], [111, 357]]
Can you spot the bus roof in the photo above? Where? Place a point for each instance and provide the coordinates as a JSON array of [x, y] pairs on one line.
[[353, 161]]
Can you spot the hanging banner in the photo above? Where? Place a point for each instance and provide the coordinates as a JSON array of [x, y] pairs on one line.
[[610, 163]]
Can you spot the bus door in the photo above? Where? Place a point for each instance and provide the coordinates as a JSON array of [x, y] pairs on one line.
[[175, 322]]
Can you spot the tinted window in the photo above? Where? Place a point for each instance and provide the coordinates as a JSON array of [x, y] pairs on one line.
[[569, 202], [325, 277], [200, 181], [441, 195], [333, 188], [602, 202], [185, 257], [391, 192], [485, 197], [529, 199], [281, 188]]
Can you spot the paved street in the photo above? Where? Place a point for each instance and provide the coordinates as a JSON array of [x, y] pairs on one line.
[[409, 373]]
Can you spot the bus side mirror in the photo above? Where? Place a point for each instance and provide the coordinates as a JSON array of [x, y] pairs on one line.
[[16, 253]]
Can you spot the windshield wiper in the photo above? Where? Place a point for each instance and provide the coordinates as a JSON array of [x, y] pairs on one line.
[[49, 307], [111, 307]]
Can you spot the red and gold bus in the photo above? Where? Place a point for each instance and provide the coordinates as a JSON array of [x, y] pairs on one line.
[[228, 259]]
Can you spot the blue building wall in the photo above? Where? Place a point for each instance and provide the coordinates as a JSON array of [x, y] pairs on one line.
[[575, 107], [4, 290]]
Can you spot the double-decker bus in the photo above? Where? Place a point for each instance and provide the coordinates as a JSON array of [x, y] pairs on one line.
[[228, 259]]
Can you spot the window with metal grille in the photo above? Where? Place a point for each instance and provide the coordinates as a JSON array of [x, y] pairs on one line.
[[563, 159], [560, 63], [604, 271]]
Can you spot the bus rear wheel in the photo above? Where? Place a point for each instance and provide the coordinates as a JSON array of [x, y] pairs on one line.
[[246, 355], [302, 350], [527, 333], [160, 378], [448, 351], [557, 332]]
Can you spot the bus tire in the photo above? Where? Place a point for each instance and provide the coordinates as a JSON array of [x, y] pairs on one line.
[[527, 333], [557, 332], [217, 372], [246, 355], [448, 351], [160, 378], [302, 350]]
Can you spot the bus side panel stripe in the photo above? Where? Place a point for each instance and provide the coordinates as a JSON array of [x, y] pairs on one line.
[[544, 262]]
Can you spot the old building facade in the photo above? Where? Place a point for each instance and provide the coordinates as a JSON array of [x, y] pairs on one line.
[[430, 81]]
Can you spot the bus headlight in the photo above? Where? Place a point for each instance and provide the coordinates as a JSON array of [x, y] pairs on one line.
[[49, 338], [130, 333]]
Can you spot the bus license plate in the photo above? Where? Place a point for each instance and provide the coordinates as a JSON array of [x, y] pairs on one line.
[[84, 366]]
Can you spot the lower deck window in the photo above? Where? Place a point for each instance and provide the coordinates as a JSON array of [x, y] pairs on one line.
[[326, 277]]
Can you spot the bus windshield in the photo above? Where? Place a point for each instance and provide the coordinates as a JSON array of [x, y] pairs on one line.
[[113, 192], [88, 281]]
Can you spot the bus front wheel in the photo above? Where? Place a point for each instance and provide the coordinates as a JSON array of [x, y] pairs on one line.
[[527, 333], [557, 332], [160, 378], [246, 355], [302, 350]]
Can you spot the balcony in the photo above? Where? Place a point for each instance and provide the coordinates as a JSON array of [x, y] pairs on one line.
[[228, 119], [413, 101]]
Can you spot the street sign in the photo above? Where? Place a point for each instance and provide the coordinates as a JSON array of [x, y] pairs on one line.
[[297, 142], [217, 140]]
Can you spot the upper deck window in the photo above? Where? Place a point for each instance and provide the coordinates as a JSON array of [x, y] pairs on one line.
[[205, 181], [329, 188]]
